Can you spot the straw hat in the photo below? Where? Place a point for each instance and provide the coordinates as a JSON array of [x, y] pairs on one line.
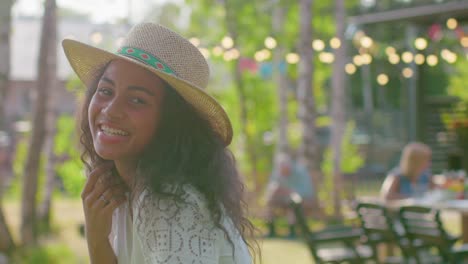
[[165, 53]]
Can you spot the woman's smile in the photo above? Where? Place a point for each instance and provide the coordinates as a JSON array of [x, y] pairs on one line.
[[110, 135]]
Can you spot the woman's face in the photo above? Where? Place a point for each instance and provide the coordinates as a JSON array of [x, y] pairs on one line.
[[124, 112], [426, 163]]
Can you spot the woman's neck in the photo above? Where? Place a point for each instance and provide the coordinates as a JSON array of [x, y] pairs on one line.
[[127, 171]]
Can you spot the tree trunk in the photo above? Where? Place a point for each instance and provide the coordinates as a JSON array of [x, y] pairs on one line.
[[5, 29], [240, 88], [7, 244], [51, 161], [48, 40], [282, 145], [338, 110], [6, 241], [308, 149]]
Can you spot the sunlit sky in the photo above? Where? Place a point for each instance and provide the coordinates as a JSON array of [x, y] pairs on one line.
[[99, 10]]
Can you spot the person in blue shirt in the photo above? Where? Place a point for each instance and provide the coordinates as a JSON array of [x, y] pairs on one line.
[[412, 178], [288, 176]]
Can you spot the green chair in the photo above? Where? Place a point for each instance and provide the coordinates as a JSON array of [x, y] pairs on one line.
[[381, 228], [425, 230], [331, 245]]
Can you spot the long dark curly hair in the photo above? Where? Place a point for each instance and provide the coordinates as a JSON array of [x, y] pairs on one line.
[[185, 150]]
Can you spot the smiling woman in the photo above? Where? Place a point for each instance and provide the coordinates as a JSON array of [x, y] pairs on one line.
[[162, 186], [124, 112]]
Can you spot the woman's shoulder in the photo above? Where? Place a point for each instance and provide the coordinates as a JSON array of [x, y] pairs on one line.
[[177, 194], [182, 200]]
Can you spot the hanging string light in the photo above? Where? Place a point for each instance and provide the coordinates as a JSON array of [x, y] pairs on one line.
[[366, 42], [318, 44], [366, 58], [419, 59], [452, 23], [227, 42], [326, 57], [420, 43], [394, 59], [432, 60], [390, 50], [270, 43], [262, 55], [357, 60], [382, 79], [292, 58], [407, 72], [464, 41], [350, 68], [335, 43], [448, 56], [217, 51], [407, 57]]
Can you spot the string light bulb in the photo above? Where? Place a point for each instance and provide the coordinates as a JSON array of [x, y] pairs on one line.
[[270, 43], [335, 43], [350, 68], [452, 23], [420, 43], [432, 60], [382, 79], [227, 42], [292, 58], [407, 72], [318, 45]]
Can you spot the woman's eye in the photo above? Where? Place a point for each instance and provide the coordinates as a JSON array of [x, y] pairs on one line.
[[105, 91], [137, 100]]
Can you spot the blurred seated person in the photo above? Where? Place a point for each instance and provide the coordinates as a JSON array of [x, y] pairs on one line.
[[412, 178], [288, 176]]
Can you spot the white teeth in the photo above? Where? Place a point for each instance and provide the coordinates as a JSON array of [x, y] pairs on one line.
[[112, 131]]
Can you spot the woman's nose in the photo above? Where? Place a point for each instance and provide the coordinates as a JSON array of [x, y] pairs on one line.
[[114, 109]]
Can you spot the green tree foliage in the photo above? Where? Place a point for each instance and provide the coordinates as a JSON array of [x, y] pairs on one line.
[[459, 79], [71, 170], [14, 191], [51, 254]]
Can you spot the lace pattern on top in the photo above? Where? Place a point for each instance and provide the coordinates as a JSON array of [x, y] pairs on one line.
[[177, 232]]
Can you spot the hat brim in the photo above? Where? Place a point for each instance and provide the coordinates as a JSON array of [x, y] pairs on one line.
[[87, 61]]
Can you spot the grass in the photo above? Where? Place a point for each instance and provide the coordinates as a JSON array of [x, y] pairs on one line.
[[66, 246]]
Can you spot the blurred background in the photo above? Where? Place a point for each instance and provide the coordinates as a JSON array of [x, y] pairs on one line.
[[341, 85]]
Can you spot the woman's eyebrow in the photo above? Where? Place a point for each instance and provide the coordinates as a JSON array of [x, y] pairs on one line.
[[108, 80], [142, 89], [131, 87]]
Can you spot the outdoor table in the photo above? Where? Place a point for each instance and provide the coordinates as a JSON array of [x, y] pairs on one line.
[[458, 205]]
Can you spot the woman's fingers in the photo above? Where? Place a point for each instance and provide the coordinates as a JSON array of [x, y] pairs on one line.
[[94, 176], [107, 195], [114, 192], [114, 203]]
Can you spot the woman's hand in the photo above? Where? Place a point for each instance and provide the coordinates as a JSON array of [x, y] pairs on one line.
[[102, 194]]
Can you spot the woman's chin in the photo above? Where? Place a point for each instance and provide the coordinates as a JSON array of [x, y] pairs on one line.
[[106, 155]]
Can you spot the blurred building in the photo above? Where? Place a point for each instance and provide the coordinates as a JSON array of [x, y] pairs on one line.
[[25, 42], [418, 90]]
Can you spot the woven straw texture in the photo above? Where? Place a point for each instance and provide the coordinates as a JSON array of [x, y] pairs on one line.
[[189, 65]]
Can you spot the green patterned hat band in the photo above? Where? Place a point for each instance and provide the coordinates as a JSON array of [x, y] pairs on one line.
[[146, 58]]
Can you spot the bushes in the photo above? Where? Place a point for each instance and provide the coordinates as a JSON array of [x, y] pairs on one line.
[[50, 254]]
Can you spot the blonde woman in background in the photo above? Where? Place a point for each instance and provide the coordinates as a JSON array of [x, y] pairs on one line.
[[412, 178]]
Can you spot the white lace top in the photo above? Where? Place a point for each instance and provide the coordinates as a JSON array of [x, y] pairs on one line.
[[169, 232]]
